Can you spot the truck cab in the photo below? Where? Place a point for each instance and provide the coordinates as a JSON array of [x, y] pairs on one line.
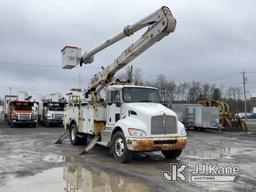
[[52, 113], [138, 119], [23, 112]]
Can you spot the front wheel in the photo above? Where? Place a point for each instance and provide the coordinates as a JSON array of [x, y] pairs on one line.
[[173, 154], [119, 148], [47, 124], [13, 125]]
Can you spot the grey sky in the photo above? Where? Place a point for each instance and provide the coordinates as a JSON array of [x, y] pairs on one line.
[[213, 42]]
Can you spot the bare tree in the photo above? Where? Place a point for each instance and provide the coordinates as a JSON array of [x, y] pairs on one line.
[[132, 74], [166, 88]]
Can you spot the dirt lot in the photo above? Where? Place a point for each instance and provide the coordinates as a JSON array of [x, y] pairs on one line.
[[31, 162]]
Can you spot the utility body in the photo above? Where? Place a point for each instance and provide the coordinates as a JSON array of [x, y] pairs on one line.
[[125, 117]]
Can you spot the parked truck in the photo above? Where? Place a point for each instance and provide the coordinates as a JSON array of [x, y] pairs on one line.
[[197, 116], [20, 110], [125, 117], [51, 109]]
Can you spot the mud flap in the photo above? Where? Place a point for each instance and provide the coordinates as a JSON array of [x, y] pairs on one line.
[[90, 145], [62, 137]]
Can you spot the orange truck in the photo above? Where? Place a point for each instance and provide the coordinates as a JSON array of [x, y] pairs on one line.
[[23, 112]]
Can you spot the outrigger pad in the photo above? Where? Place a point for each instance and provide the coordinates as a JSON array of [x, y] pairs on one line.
[[62, 137], [90, 145]]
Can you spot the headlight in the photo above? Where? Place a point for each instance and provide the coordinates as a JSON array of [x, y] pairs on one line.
[[183, 131], [136, 132], [49, 117]]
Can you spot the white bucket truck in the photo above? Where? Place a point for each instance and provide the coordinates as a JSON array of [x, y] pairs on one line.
[[129, 118]]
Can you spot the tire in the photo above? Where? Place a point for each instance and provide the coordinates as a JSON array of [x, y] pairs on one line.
[[13, 125], [74, 136], [172, 154], [119, 148], [202, 129], [47, 124]]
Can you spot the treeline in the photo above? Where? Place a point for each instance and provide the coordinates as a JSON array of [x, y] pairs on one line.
[[189, 92], [195, 91]]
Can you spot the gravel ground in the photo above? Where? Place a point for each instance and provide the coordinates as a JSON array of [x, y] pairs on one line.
[[29, 157]]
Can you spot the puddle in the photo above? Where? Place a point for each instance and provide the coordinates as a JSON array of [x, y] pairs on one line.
[[197, 154], [59, 158], [75, 179]]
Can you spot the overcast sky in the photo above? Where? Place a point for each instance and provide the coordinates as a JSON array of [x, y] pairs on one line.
[[213, 42]]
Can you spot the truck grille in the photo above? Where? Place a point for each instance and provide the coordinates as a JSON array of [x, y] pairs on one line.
[[24, 117], [163, 125], [58, 116]]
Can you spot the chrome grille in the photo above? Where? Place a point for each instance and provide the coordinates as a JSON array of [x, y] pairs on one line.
[[163, 125], [24, 117], [58, 116]]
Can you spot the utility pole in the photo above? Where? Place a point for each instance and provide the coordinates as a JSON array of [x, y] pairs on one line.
[[131, 74], [245, 106], [10, 90]]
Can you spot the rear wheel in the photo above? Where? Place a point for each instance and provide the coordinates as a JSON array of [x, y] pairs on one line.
[[173, 154], [75, 137], [119, 148], [47, 124]]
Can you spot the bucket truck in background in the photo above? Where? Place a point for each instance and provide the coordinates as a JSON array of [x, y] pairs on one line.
[[51, 109]]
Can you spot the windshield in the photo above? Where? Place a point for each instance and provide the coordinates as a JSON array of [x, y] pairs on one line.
[[136, 94], [22, 107], [56, 108]]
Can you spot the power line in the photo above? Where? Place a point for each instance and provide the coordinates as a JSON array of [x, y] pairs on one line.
[[36, 65]]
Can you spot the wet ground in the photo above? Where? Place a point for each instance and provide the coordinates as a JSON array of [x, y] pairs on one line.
[[29, 161]]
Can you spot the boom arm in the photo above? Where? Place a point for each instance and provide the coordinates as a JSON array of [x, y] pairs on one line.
[[160, 24]]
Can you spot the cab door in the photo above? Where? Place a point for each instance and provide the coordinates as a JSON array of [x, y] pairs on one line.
[[114, 108]]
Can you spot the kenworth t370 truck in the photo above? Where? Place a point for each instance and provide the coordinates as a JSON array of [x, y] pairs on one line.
[[128, 118]]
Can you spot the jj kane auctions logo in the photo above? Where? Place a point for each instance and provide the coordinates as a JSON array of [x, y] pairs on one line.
[[201, 173]]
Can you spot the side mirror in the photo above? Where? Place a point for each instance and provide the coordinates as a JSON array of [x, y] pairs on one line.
[[118, 104]]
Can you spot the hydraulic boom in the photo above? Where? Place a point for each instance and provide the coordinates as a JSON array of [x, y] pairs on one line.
[[159, 23]]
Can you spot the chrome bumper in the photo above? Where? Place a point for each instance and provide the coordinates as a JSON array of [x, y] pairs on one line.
[[156, 144]]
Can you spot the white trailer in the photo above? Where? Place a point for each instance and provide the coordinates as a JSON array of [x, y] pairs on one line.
[[197, 116], [130, 117]]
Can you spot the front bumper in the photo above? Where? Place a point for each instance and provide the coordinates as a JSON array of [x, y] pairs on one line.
[[156, 144], [59, 121], [17, 121]]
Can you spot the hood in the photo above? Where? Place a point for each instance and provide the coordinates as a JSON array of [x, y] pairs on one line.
[[151, 109]]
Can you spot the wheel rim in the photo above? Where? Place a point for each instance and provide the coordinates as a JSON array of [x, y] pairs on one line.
[[73, 134], [119, 146]]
